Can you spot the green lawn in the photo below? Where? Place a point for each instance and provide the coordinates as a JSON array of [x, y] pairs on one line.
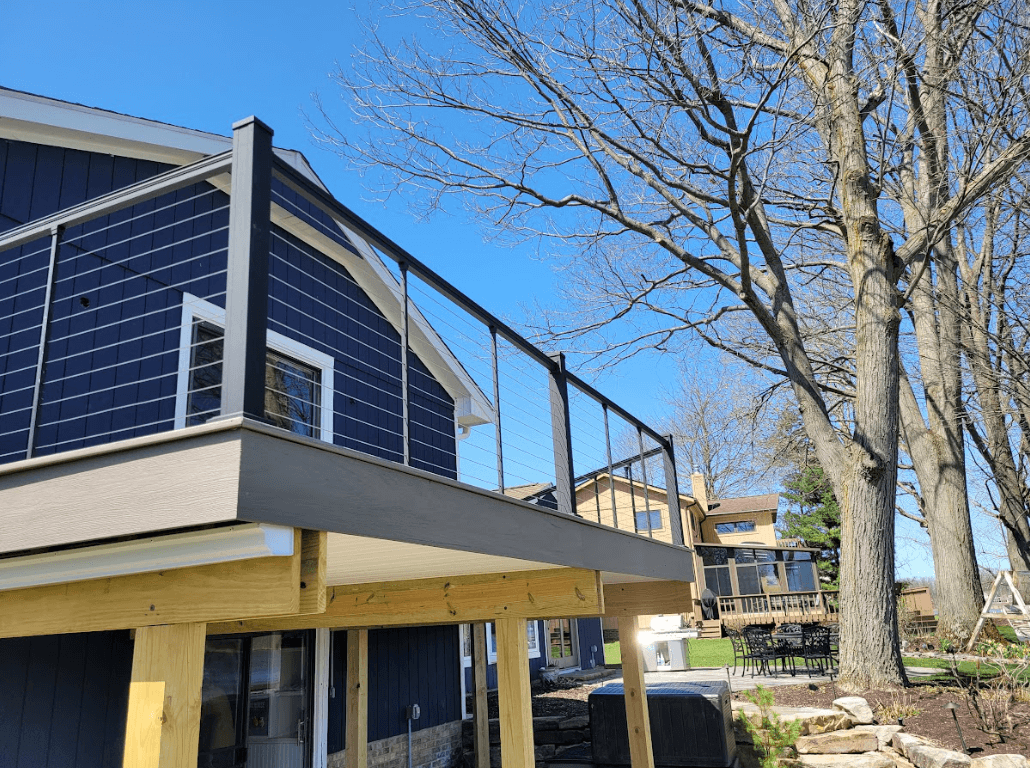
[[703, 653], [719, 653]]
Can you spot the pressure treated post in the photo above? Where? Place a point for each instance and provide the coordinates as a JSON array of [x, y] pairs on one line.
[[480, 711], [162, 729], [513, 694], [356, 742], [637, 717], [246, 290]]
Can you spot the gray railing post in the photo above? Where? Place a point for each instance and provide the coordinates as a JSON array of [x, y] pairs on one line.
[[561, 432], [672, 492], [498, 436], [246, 290], [44, 340], [647, 487], [611, 471], [405, 372]]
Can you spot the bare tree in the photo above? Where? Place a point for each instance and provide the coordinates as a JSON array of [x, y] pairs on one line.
[[710, 164], [716, 419], [995, 280]]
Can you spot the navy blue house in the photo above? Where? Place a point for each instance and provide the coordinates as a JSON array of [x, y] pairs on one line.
[[113, 329]]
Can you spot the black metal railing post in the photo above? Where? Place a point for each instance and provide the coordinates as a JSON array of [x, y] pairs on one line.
[[44, 340], [246, 290], [672, 492], [561, 433]]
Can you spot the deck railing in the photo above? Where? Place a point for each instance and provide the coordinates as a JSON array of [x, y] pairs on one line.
[[134, 311], [779, 608]]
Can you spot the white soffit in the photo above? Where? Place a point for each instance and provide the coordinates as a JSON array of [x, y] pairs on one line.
[[363, 560], [159, 553]]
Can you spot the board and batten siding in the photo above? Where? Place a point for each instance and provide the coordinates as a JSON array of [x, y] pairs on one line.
[[64, 699], [112, 363], [412, 665]]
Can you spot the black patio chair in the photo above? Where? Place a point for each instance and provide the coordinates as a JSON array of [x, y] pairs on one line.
[[740, 651], [765, 651], [815, 648]]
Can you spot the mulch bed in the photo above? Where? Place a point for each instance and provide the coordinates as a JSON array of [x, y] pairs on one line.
[[932, 720], [560, 700], [922, 704]]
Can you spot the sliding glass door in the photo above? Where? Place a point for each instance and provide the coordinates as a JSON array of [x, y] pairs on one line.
[[256, 702]]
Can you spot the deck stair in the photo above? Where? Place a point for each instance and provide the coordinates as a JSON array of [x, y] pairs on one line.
[[711, 628]]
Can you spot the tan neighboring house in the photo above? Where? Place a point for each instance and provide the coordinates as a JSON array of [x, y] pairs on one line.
[[755, 577]]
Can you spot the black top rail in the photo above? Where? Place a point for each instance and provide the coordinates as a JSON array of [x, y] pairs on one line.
[[337, 210]]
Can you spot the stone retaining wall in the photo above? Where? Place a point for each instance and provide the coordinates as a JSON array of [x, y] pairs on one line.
[[552, 736], [438, 747]]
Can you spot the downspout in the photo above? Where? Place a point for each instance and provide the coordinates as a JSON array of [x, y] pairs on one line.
[[463, 434]]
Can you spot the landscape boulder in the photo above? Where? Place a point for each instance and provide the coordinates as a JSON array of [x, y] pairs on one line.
[[884, 733], [1000, 761], [838, 743], [864, 760], [856, 707], [922, 754]]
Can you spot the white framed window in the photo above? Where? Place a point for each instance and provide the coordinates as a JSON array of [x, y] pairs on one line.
[[532, 637], [298, 379]]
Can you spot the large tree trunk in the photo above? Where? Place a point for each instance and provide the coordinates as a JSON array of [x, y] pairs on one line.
[[866, 488]]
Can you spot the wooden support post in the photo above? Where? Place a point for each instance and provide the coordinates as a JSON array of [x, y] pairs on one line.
[[480, 712], [162, 729], [637, 717], [513, 694], [357, 699]]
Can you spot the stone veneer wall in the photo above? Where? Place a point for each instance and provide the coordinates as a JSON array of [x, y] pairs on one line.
[[438, 747]]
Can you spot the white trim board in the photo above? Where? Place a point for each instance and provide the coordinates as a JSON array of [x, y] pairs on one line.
[[157, 553], [194, 309]]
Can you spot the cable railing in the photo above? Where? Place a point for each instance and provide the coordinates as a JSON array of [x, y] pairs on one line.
[[175, 301]]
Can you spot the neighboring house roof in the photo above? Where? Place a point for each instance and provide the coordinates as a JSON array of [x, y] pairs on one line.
[[40, 120], [524, 492], [768, 502]]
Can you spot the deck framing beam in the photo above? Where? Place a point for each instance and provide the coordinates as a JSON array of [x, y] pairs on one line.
[[449, 600], [263, 586]]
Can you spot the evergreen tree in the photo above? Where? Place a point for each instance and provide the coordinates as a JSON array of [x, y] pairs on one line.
[[813, 516]]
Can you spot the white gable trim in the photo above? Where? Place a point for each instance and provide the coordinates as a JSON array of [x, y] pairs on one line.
[[39, 120]]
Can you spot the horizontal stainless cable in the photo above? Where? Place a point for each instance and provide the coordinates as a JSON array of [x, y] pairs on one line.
[[163, 183], [377, 239], [121, 342], [76, 240], [171, 205], [121, 263]]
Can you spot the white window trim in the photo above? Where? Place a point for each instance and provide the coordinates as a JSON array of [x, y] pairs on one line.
[[194, 309], [534, 647], [491, 655]]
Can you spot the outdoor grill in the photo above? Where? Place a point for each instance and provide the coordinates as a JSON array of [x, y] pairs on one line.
[[665, 646]]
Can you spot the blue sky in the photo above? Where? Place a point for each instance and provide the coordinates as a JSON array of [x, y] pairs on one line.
[[205, 65]]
